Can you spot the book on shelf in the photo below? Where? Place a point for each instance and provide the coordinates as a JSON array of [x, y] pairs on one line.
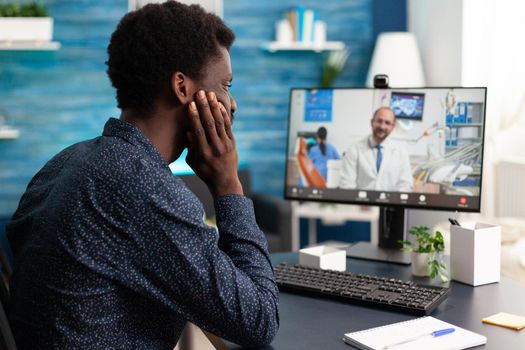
[[303, 23]]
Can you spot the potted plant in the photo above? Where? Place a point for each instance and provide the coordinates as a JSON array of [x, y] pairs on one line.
[[27, 22], [427, 254], [332, 66]]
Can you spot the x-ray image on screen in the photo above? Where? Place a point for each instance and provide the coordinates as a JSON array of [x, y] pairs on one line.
[[407, 105]]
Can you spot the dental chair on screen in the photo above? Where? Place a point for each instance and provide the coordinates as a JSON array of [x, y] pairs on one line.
[[307, 171]]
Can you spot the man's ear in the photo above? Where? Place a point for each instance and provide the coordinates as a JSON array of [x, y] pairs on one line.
[[183, 87]]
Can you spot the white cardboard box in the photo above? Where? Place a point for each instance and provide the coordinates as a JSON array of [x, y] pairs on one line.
[[475, 253], [324, 257]]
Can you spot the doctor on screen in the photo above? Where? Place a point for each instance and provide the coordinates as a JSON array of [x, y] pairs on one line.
[[377, 163]]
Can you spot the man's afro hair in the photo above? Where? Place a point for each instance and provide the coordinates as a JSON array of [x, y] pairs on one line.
[[152, 43]]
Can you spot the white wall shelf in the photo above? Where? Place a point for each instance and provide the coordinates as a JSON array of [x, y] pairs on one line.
[[29, 45], [7, 133], [299, 46]]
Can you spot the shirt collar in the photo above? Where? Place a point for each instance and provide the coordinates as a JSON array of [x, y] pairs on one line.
[[373, 144], [130, 133]]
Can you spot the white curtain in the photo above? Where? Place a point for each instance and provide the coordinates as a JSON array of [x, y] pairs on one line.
[[493, 54], [479, 43]]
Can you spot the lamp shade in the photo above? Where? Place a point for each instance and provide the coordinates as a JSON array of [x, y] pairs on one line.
[[396, 54]]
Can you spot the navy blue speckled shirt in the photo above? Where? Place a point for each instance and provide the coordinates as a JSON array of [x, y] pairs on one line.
[[111, 252]]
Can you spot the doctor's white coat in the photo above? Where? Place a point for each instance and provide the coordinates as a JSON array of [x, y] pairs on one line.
[[358, 169]]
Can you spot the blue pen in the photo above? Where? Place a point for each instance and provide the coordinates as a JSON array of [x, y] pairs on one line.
[[437, 333]]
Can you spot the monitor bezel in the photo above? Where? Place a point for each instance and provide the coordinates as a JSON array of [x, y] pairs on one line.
[[397, 205]]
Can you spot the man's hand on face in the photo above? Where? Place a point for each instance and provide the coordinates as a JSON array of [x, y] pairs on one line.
[[212, 153]]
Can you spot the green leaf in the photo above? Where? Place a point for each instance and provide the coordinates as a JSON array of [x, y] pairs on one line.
[[332, 66], [33, 9], [434, 244], [432, 268]]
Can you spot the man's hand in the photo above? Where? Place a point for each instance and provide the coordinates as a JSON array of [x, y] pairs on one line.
[[212, 153]]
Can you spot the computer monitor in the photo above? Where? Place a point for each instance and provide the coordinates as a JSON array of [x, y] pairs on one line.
[[433, 160]]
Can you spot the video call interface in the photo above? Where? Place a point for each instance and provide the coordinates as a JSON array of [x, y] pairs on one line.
[[408, 147]]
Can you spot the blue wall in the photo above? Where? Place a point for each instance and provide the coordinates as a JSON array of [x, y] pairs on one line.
[[56, 98], [59, 98], [388, 16]]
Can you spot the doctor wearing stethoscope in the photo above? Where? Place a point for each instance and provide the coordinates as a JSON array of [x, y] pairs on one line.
[[377, 163]]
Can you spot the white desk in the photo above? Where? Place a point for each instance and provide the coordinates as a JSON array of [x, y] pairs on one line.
[[330, 214]]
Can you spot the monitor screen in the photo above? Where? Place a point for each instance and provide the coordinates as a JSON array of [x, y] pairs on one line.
[[355, 145], [407, 105]]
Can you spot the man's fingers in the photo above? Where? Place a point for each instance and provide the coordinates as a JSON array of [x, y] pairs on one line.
[[216, 109], [196, 129], [204, 106], [227, 123], [220, 123]]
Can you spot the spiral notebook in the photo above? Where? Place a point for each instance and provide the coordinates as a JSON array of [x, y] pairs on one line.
[[419, 330]]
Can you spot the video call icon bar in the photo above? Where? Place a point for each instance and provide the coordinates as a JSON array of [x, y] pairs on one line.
[[380, 197]]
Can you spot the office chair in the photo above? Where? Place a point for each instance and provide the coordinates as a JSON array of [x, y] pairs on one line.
[[7, 340], [308, 172]]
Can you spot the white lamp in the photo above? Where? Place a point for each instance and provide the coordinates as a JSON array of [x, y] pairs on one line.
[[396, 54]]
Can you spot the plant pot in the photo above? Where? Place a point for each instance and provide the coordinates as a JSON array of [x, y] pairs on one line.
[[26, 28], [419, 263]]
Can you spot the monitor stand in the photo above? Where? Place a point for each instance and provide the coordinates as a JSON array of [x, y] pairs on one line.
[[391, 230]]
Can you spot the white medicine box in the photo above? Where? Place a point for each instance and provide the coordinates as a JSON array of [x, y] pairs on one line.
[[475, 253], [323, 257]]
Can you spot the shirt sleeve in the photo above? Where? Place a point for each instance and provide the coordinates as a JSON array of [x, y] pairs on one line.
[[222, 281], [242, 240], [333, 153]]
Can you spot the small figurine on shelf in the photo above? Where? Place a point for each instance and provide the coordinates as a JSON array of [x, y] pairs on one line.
[[332, 66]]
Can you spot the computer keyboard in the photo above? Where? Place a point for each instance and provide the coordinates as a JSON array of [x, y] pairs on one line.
[[374, 291]]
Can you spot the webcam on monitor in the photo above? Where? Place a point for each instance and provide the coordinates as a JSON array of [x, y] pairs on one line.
[[381, 81]]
